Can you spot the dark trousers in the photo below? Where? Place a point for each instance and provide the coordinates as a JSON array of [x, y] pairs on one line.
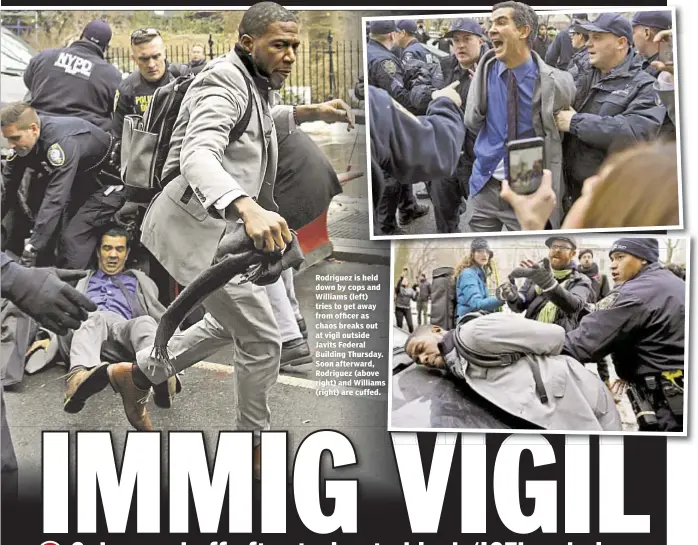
[[407, 314], [446, 195], [395, 196], [85, 227], [422, 308]]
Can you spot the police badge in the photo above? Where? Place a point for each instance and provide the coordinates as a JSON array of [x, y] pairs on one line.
[[608, 301], [56, 155], [389, 66]]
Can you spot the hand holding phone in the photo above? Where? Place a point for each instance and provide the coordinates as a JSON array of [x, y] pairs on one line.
[[526, 159]]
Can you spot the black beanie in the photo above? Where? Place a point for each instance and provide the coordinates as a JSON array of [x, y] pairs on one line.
[[642, 248]]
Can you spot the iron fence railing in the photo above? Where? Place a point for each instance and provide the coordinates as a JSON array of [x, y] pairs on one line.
[[323, 69]]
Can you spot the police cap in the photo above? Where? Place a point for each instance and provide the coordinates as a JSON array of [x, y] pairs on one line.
[[407, 24], [382, 27], [653, 19], [97, 31], [464, 24], [613, 23]]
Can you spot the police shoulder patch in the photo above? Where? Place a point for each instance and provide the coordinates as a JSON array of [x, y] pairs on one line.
[[608, 301], [408, 56], [389, 66], [56, 155]]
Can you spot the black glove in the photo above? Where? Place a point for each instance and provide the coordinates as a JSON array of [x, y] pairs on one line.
[[264, 267], [127, 214], [28, 258], [507, 292], [44, 295], [541, 274]]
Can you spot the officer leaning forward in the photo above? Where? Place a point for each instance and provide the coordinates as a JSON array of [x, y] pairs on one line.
[[82, 190], [641, 324], [76, 80]]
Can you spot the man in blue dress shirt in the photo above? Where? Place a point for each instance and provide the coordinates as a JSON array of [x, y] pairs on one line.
[[512, 86], [128, 312]]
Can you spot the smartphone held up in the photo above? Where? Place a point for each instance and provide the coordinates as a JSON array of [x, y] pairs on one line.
[[526, 159]]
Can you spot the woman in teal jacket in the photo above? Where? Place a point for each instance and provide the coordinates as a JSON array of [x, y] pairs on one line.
[[471, 285]]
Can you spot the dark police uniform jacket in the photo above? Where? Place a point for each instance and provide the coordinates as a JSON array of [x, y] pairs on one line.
[[70, 151], [415, 54], [135, 92], [641, 324], [613, 109], [385, 72], [578, 285], [412, 148], [73, 81]]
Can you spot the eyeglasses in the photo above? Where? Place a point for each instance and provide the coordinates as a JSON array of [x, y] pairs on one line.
[[556, 247], [142, 33]]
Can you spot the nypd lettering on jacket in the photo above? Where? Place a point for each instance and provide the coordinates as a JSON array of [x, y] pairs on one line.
[[488, 472], [74, 65]]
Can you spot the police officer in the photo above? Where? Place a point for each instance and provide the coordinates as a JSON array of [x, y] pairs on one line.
[[414, 148], [646, 25], [134, 94], [81, 192], [384, 68], [416, 55], [641, 325], [615, 103], [448, 194], [76, 80], [385, 71]]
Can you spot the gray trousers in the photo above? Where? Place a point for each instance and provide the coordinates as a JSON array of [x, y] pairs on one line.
[[287, 277], [239, 316], [489, 213], [283, 311], [121, 338], [8, 460]]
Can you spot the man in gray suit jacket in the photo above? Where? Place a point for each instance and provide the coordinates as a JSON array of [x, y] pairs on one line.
[[223, 187]]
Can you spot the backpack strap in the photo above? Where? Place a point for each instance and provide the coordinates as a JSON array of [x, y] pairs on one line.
[[236, 132], [502, 360], [136, 309]]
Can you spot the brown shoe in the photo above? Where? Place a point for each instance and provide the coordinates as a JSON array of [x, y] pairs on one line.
[[163, 393], [83, 383], [257, 463], [121, 379]]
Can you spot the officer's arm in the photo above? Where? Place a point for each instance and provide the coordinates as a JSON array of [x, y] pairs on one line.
[[640, 121], [12, 173], [573, 300], [29, 72], [393, 84], [124, 104], [600, 332], [414, 148], [57, 193]]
